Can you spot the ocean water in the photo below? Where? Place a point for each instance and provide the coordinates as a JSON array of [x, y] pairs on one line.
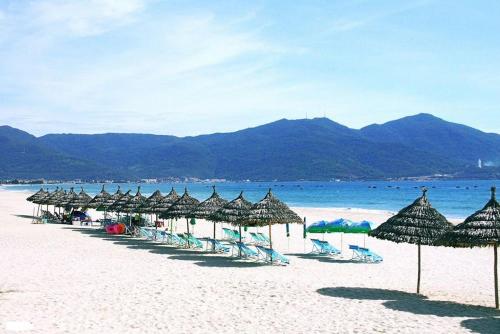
[[454, 199]]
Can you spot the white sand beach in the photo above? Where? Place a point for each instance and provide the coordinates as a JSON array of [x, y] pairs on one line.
[[68, 279]]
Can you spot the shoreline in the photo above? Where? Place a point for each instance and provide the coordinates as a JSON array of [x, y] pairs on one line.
[[327, 210]]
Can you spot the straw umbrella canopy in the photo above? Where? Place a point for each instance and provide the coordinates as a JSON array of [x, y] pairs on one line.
[[418, 223], [98, 199], [182, 208], [480, 229], [81, 200], [209, 206], [107, 202], [55, 197], [164, 204], [134, 202], [270, 211], [150, 202], [40, 197], [36, 195], [52, 198], [118, 204], [234, 212], [36, 198], [68, 198]]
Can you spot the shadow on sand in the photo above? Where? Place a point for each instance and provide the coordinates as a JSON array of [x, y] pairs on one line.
[[323, 258], [482, 325], [417, 304], [27, 217], [199, 257]]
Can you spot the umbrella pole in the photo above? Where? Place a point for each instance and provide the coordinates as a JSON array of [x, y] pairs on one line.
[[213, 244], [187, 224], [239, 248], [495, 273], [270, 238], [418, 279]]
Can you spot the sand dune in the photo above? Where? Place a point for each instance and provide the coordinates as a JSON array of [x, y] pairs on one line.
[[65, 279]]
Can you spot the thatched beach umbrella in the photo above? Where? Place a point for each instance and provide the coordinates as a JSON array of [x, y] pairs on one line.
[[480, 229], [54, 198], [418, 223], [98, 199], [234, 212], [107, 202], [182, 208], [36, 198], [68, 198], [81, 200], [149, 203], [270, 211], [209, 206], [57, 197], [38, 195], [164, 204], [133, 202], [118, 204]]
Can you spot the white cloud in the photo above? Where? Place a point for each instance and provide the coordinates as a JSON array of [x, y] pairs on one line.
[[84, 18]]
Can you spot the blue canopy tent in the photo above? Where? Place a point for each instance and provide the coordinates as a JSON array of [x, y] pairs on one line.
[[341, 225]]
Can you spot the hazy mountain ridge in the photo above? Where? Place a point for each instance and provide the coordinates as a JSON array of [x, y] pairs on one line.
[[312, 149]]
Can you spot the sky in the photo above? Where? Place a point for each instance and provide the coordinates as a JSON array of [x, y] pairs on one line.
[[193, 67]]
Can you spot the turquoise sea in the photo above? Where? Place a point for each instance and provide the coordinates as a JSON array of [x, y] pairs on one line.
[[455, 199]]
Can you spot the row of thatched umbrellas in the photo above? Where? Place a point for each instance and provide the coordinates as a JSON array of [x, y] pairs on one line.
[[418, 223], [239, 211], [421, 224]]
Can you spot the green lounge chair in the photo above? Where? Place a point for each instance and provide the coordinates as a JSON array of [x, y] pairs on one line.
[[271, 256], [244, 250], [230, 234]]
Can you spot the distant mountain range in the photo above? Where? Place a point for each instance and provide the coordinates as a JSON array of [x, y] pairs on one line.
[[306, 149]]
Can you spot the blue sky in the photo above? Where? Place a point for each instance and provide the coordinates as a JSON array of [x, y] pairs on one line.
[[191, 67]]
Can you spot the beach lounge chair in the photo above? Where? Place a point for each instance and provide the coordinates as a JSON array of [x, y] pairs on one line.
[[323, 247], [265, 238], [146, 233], [271, 256], [237, 235], [216, 245], [371, 256], [258, 239], [174, 239], [193, 241], [230, 234], [244, 250], [364, 254]]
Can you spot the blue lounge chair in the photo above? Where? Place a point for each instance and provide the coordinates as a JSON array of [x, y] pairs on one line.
[[216, 245], [271, 256], [364, 254], [146, 233], [323, 247], [371, 256], [244, 250]]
